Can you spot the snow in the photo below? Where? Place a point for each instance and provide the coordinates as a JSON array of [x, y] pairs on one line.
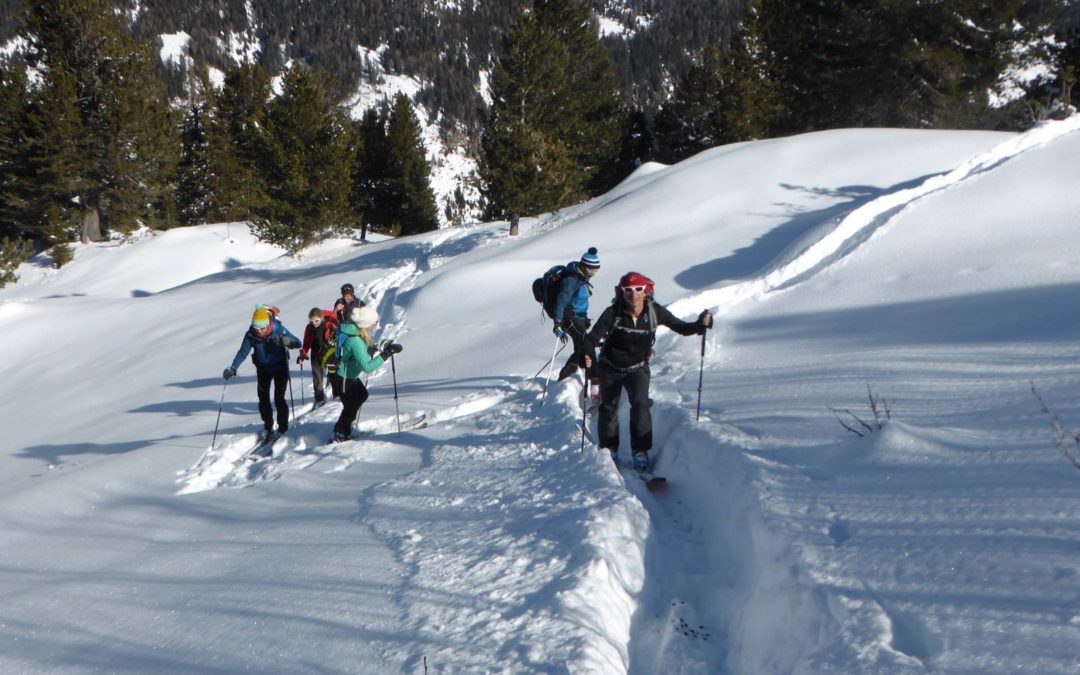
[[15, 45], [609, 26], [245, 46], [173, 47], [933, 270], [216, 76]]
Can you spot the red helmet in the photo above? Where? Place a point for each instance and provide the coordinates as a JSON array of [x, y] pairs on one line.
[[631, 279]]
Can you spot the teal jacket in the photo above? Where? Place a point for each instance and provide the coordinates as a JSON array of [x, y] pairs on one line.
[[354, 354]]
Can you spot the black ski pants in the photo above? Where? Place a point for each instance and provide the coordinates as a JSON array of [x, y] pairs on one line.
[[576, 328], [335, 384], [636, 384], [280, 380], [352, 397]]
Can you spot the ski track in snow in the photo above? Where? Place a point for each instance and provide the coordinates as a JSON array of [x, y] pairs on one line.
[[859, 225]]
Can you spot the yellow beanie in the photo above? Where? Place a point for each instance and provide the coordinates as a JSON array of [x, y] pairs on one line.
[[261, 317]]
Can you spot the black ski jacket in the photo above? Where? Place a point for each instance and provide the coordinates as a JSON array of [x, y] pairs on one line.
[[627, 342]]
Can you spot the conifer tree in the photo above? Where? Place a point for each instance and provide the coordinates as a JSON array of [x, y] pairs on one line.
[[724, 97], [692, 121], [554, 121], [55, 154], [637, 143], [123, 145], [411, 199], [16, 173], [585, 113], [370, 171], [308, 164], [356, 207], [195, 193], [238, 144], [898, 63]]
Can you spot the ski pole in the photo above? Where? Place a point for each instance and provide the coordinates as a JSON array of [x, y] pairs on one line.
[[550, 360], [397, 412], [302, 401], [220, 406], [292, 401], [551, 367], [701, 378], [584, 410]]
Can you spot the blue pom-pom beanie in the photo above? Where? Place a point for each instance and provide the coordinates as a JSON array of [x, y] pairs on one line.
[[590, 259]]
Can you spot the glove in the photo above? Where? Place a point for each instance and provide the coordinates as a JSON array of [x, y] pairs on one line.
[[704, 320], [300, 360], [390, 349], [229, 372], [560, 333], [293, 344]]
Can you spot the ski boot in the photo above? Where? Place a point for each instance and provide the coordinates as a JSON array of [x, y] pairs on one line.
[[641, 462]]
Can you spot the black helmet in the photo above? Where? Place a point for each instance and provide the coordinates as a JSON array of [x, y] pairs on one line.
[[347, 289]]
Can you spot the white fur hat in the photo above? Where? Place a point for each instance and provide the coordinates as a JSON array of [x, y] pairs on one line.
[[364, 317]]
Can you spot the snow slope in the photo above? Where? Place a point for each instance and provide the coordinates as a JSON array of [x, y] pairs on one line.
[[933, 268]]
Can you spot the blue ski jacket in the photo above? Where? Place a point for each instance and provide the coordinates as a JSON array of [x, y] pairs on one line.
[[271, 352], [573, 298]]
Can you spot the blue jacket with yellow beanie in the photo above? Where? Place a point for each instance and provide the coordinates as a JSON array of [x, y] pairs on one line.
[[270, 341]]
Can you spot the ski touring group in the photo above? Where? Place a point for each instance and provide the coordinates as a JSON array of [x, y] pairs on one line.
[[613, 352], [338, 343]]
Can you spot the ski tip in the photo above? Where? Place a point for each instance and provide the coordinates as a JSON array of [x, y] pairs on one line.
[[656, 484]]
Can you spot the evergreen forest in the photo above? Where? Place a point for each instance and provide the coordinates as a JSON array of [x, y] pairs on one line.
[[557, 100]]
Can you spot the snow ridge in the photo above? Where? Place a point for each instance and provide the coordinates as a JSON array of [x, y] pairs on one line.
[[859, 225]]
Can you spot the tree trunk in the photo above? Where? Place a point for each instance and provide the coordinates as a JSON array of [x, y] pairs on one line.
[[90, 229], [514, 224]]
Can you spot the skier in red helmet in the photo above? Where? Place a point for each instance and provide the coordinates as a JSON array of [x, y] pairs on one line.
[[627, 329]]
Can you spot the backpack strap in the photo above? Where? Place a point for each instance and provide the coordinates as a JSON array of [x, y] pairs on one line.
[[650, 314]]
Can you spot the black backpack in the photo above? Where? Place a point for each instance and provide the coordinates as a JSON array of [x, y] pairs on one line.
[[546, 288]]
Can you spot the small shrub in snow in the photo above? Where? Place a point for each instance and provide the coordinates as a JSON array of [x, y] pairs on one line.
[[1069, 448], [880, 409], [12, 254]]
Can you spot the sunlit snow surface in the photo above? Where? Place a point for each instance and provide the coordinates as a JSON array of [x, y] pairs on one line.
[[938, 270]]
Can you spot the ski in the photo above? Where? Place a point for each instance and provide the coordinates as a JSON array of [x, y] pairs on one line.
[[264, 447], [418, 422], [653, 482], [411, 424]]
